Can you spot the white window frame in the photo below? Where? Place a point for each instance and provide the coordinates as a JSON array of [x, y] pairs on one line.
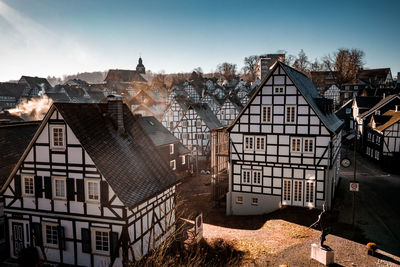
[[172, 164], [287, 192], [52, 145], [299, 146], [246, 176], [93, 240], [253, 177], [23, 177], [278, 90], [239, 200], [262, 143], [248, 147], [87, 181], [54, 179], [183, 157], [44, 235], [266, 113], [309, 197], [254, 201], [171, 149], [306, 146], [288, 115]]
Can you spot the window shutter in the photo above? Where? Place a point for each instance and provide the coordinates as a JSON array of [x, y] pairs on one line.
[[17, 187], [80, 190], [38, 187], [70, 189], [114, 245], [103, 193], [37, 234], [47, 187], [86, 245], [61, 237]]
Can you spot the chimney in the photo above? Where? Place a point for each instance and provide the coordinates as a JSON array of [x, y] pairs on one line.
[[115, 111]]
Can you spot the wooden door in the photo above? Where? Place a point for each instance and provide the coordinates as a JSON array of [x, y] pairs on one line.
[[287, 192], [18, 237], [297, 193]]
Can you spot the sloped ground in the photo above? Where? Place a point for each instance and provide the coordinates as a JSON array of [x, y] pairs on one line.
[[282, 237]]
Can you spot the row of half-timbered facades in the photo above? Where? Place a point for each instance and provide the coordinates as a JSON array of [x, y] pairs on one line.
[[90, 189], [284, 147]]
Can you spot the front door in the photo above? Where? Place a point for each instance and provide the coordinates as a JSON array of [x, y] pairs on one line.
[[18, 237], [297, 193]]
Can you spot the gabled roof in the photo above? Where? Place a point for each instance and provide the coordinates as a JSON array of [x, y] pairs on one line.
[[128, 161], [58, 97], [380, 104], [369, 75], [159, 134], [12, 89], [206, 114], [124, 76], [367, 102], [388, 119], [307, 89], [36, 81], [14, 138]]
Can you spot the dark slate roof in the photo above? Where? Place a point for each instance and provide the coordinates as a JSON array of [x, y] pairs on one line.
[[381, 103], [58, 97], [159, 134], [14, 139], [341, 112], [6, 117], [367, 102], [206, 114], [388, 119], [373, 75], [12, 89], [310, 93], [124, 76], [129, 162], [36, 81]]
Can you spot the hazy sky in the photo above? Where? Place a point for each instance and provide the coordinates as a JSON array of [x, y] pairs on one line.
[[56, 37]]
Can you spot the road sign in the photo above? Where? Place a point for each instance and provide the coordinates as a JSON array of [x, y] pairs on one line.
[[354, 186]]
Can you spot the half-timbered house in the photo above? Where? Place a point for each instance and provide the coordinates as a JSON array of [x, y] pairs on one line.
[[284, 147], [175, 111], [229, 110], [90, 189]]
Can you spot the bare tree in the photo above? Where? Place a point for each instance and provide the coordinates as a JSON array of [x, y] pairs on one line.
[[250, 68], [301, 63], [198, 70], [316, 65], [227, 70]]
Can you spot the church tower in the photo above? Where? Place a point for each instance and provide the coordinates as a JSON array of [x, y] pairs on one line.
[[140, 67]]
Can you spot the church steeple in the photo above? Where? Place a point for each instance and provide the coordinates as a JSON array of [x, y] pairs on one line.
[[140, 67]]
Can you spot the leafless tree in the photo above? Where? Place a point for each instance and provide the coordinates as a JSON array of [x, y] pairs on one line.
[[227, 70], [301, 63], [316, 65], [198, 70], [250, 68]]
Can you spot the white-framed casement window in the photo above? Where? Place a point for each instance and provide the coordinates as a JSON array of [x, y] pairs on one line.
[[308, 145], [172, 164], [100, 241], [92, 187], [57, 136], [309, 193], [260, 143], [239, 200], [257, 177], [183, 159], [295, 145], [248, 142], [50, 234], [278, 89], [254, 201], [246, 176], [59, 187], [171, 149], [28, 186], [290, 114], [287, 192], [266, 113]]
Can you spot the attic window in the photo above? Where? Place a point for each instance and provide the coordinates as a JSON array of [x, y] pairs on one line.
[[57, 139], [278, 89]]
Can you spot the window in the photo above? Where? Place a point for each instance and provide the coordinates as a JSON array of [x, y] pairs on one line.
[[296, 145], [172, 164], [183, 160], [378, 140], [50, 234], [278, 90], [246, 177], [348, 110], [101, 240], [369, 136], [57, 140], [254, 201], [59, 188], [287, 187], [257, 177], [198, 124], [308, 145], [310, 193], [28, 186], [377, 112], [184, 124], [239, 199], [260, 143], [290, 114], [185, 136], [376, 154], [266, 114], [93, 190], [248, 142], [171, 124], [171, 149]]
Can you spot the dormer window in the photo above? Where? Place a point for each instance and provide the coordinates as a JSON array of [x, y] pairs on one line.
[[377, 112], [57, 138]]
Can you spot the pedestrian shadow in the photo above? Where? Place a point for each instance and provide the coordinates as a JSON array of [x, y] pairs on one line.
[[386, 258]]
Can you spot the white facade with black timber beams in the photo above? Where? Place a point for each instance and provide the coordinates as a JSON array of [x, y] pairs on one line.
[[284, 147]]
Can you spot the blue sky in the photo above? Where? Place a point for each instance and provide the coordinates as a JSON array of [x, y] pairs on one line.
[[48, 37]]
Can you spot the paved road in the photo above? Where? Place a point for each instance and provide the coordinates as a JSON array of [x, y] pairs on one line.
[[377, 204]]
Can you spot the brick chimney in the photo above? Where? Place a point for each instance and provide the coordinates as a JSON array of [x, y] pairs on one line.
[[115, 111]]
